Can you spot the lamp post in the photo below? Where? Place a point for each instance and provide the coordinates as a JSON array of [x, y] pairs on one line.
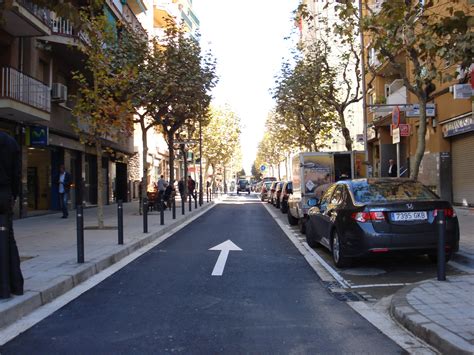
[[200, 164]]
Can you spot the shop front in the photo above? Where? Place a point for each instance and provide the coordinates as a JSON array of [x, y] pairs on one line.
[[460, 131]]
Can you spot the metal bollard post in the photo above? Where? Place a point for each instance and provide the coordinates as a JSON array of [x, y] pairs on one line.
[[195, 201], [441, 245], [190, 203], [207, 195], [145, 215], [4, 256], [120, 221], [183, 202], [174, 207], [162, 210], [80, 233]]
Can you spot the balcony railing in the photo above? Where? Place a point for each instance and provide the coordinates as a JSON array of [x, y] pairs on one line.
[[40, 12], [20, 87], [62, 26]]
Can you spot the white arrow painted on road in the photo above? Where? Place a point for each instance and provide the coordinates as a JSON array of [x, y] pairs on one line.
[[222, 259]]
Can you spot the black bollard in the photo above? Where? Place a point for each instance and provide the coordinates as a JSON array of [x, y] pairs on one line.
[[4, 257], [195, 201], [190, 203], [80, 233], [441, 245], [162, 210], [120, 221], [145, 215], [207, 195], [183, 202], [174, 207]]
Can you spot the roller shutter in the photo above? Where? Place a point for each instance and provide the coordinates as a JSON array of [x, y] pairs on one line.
[[462, 151]]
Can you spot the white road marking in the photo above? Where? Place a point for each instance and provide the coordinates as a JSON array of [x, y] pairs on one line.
[[23, 324], [225, 248]]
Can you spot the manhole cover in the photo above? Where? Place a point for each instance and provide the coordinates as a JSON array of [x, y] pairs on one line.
[[364, 272]]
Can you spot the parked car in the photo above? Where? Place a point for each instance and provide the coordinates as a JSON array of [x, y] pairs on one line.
[[269, 179], [276, 198], [358, 218], [243, 185], [264, 192], [286, 191], [271, 194]]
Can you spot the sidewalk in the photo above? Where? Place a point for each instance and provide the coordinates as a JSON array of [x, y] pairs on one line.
[[442, 312], [47, 246]]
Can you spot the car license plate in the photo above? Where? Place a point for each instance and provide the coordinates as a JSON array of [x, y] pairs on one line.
[[409, 216]]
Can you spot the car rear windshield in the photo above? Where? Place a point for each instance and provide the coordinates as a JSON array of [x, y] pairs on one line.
[[386, 191], [268, 185]]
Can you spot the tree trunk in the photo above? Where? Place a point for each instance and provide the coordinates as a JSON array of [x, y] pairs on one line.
[[279, 175], [185, 167], [345, 131], [420, 147], [100, 186], [171, 155], [144, 186]]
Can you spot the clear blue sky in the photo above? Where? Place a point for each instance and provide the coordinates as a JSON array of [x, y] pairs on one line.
[[247, 39]]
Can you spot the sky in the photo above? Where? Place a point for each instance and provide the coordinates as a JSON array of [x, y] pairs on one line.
[[247, 39]]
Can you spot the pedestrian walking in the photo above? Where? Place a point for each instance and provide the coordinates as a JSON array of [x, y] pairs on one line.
[[64, 188], [191, 186], [11, 278], [392, 169]]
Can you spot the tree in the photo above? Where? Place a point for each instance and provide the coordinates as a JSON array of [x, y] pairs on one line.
[[256, 173], [433, 38], [186, 78], [241, 173], [103, 108], [304, 119], [220, 137], [334, 61]]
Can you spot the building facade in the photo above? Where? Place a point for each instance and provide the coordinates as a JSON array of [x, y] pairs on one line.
[[447, 164], [38, 55]]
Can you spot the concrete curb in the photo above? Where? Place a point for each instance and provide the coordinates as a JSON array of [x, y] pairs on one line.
[[441, 338], [15, 308]]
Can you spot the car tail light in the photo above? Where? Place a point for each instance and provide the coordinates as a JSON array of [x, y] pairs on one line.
[[379, 250], [264, 189], [364, 217], [448, 212]]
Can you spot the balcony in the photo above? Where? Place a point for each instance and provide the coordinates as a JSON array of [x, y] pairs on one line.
[[397, 93], [132, 20], [23, 98], [22, 18], [164, 10]]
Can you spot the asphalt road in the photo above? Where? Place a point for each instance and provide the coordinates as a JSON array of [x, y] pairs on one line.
[[268, 299]]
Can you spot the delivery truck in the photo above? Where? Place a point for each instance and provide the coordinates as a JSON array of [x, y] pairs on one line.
[[312, 172]]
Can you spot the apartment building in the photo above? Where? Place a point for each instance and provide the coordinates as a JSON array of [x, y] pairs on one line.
[[38, 54], [448, 161]]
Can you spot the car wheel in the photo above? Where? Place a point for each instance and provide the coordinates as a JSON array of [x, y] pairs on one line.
[[292, 220], [284, 207], [434, 257], [337, 250], [248, 192], [302, 225], [277, 204], [310, 237]]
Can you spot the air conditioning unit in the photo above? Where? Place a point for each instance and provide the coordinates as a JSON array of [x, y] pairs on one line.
[[59, 92]]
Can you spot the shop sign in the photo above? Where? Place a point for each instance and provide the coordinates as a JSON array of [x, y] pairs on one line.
[[462, 91], [39, 136], [459, 126], [414, 110]]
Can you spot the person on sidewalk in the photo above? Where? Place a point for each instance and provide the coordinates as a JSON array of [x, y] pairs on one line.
[[191, 186], [392, 168], [64, 188], [181, 188], [11, 278]]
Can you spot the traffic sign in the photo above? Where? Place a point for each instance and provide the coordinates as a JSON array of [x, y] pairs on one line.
[[396, 116], [263, 168], [404, 129], [396, 135]]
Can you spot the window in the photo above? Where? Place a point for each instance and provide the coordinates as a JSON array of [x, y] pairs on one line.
[[338, 196], [325, 200]]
